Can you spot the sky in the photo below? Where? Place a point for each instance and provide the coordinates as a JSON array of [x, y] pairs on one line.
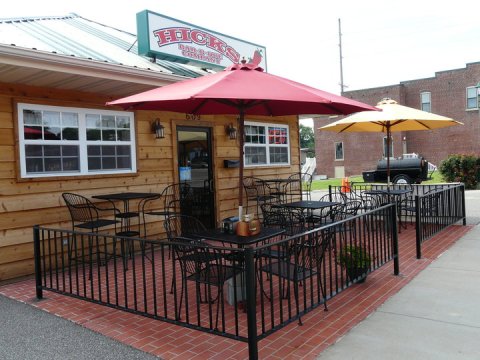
[[383, 42]]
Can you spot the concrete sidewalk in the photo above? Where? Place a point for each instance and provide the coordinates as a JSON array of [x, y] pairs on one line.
[[436, 316]]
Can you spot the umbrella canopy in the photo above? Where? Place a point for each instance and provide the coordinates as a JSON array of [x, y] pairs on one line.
[[392, 117], [241, 89], [250, 89]]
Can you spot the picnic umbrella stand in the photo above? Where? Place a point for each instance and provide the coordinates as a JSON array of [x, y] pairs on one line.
[[392, 117], [241, 89]]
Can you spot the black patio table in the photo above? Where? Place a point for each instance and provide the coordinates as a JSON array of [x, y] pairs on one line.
[[240, 241], [309, 206], [234, 239]]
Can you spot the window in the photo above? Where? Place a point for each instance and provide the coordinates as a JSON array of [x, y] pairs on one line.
[[339, 151], [59, 141], [385, 147], [426, 101], [266, 144], [472, 97]]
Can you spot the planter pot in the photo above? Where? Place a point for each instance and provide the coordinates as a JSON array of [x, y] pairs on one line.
[[359, 274]]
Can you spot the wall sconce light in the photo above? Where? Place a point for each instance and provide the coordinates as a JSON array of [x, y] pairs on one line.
[[158, 129], [231, 131]]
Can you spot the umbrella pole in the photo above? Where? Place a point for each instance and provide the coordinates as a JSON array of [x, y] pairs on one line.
[[241, 120], [388, 156]]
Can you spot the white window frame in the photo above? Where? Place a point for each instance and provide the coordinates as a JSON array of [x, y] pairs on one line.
[[81, 142], [429, 102], [267, 146], [477, 93], [385, 147], [343, 151]]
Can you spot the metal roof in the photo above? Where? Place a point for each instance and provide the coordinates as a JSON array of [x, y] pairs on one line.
[[72, 52]]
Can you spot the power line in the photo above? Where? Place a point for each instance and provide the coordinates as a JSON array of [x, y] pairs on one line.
[[341, 57]]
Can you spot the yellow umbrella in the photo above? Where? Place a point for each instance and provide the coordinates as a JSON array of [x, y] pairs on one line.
[[393, 117]]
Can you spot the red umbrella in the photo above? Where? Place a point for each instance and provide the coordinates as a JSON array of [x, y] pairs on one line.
[[37, 133], [241, 89]]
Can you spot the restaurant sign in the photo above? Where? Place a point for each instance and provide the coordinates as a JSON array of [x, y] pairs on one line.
[[166, 38]]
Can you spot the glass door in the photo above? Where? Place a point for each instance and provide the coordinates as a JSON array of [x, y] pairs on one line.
[[195, 170]]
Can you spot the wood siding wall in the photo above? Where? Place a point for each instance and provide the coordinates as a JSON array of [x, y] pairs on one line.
[[26, 202]]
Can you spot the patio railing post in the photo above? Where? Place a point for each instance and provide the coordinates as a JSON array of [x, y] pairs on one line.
[[464, 212], [38, 263], [418, 227], [396, 260], [251, 304]]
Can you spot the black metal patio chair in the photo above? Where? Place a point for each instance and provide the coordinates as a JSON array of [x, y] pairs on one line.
[[429, 204], [303, 263], [171, 200], [279, 218], [86, 215], [207, 267], [182, 228], [257, 191], [289, 219], [327, 215]]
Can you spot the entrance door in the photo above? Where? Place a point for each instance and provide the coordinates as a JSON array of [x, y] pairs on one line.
[[339, 172], [195, 169]]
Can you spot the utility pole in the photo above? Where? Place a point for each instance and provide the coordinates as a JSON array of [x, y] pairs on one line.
[[341, 57]]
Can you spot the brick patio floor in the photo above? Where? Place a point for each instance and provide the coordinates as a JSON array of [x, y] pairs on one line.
[[320, 329]]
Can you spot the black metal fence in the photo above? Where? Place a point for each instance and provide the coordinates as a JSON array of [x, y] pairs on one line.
[[241, 293], [430, 208], [435, 210]]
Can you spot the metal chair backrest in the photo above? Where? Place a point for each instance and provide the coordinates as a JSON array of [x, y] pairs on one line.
[[431, 202], [173, 196], [81, 209], [202, 263], [299, 184], [351, 207], [273, 217], [289, 219], [335, 197], [182, 226], [252, 186], [293, 188], [310, 251], [330, 214]]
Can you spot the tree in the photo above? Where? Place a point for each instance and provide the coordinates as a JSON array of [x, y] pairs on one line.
[[307, 139]]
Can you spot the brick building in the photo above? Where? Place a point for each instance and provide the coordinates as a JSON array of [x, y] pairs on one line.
[[451, 93]]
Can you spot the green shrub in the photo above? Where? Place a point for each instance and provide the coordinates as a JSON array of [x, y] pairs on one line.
[[461, 168], [354, 256]]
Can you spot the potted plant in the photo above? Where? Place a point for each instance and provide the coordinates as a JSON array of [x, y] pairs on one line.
[[356, 260]]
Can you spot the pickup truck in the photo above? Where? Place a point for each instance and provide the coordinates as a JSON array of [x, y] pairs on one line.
[[402, 171]]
